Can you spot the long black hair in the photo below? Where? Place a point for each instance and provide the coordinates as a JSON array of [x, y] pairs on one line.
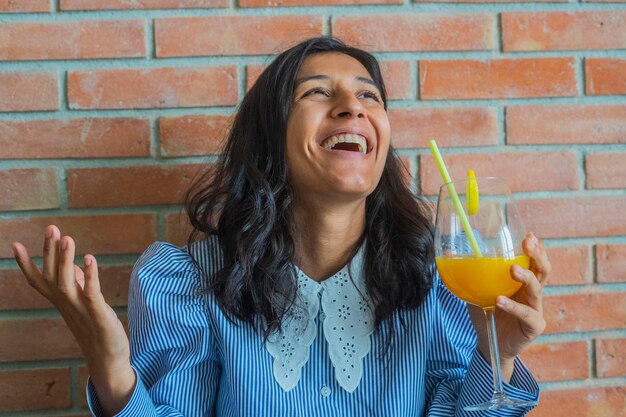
[[245, 200]]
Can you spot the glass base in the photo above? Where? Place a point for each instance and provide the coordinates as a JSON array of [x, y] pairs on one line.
[[500, 401]]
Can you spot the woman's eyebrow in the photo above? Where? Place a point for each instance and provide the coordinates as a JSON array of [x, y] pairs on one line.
[[311, 77], [366, 81]]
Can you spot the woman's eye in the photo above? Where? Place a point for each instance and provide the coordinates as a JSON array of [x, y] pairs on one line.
[[316, 91], [371, 95]]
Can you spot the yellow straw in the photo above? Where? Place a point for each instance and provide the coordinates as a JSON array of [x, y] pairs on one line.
[[455, 198]]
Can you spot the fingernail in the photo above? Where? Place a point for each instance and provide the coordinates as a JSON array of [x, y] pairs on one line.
[[88, 261], [49, 232], [63, 244], [501, 302], [517, 269], [533, 242]]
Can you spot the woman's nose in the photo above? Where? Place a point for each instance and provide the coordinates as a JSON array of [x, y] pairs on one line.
[[348, 106]]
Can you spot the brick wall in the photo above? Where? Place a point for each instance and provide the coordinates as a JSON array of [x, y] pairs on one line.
[[108, 108]]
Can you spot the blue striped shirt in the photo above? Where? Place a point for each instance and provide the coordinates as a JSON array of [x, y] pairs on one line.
[[191, 361]]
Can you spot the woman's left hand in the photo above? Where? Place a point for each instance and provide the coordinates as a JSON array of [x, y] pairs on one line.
[[519, 320]]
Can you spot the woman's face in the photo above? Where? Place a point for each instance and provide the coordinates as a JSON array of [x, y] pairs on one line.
[[338, 130]]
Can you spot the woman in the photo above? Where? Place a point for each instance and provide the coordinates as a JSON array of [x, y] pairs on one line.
[[314, 292]]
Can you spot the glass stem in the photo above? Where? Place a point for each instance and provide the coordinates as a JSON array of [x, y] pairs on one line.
[[490, 314]]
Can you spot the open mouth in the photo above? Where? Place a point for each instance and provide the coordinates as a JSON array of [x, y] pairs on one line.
[[346, 142]]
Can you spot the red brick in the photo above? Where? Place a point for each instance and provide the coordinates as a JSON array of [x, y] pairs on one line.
[[252, 74], [134, 186], [606, 170], [498, 78], [558, 361], [34, 389], [550, 170], [571, 265], [491, 1], [74, 40], [113, 280], [232, 35], [292, 3], [22, 295], [42, 186], [193, 135], [98, 234], [83, 374], [152, 87], [177, 228], [75, 138], [611, 263], [605, 76], [575, 217], [397, 78], [565, 124], [54, 340], [417, 32], [582, 402], [585, 312], [548, 31], [463, 126], [610, 355], [24, 6], [28, 91], [143, 4]]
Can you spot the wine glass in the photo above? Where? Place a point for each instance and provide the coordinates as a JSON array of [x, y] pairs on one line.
[[477, 240]]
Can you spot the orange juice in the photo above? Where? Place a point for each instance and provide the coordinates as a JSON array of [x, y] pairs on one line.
[[480, 280]]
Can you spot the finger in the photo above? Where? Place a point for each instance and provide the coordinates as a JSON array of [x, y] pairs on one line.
[[26, 264], [92, 282], [532, 286], [92, 293], [66, 281], [540, 263], [51, 253], [532, 321]]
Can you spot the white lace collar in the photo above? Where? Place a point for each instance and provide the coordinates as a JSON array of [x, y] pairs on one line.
[[348, 322]]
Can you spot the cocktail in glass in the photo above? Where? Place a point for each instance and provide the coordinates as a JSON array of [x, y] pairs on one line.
[[477, 240]]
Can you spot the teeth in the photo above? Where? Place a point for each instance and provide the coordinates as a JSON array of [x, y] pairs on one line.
[[347, 138]]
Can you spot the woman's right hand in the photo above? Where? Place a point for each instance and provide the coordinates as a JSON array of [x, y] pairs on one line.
[[76, 295]]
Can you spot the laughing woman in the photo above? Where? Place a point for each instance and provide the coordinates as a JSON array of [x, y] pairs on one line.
[[313, 290]]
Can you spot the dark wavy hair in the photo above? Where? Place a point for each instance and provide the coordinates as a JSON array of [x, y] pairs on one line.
[[245, 199]]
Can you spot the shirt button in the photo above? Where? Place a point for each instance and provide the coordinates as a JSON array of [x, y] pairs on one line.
[[322, 316], [325, 391]]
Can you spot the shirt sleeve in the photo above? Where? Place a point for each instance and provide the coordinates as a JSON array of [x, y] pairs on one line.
[[171, 343], [457, 375]]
